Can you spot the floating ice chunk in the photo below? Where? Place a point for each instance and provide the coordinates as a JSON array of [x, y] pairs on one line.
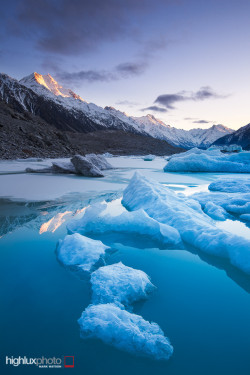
[[99, 161], [215, 212], [120, 284], [149, 157], [231, 186], [195, 227], [85, 167], [196, 160], [63, 167], [80, 250], [125, 331], [233, 203], [95, 220]]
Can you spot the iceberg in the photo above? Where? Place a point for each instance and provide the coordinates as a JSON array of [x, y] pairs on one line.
[[125, 331], [119, 284], [85, 167], [99, 161], [233, 203], [79, 250], [195, 227], [95, 220], [149, 157], [211, 160], [230, 185]]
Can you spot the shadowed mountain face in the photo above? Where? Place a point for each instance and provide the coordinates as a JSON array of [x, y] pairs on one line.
[[240, 137], [22, 135]]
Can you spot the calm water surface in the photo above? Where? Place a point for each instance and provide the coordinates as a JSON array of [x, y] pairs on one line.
[[201, 303]]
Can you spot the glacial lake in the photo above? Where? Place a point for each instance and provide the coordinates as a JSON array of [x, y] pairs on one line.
[[201, 302]]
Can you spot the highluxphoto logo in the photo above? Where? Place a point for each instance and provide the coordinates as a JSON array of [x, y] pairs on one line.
[[41, 362]]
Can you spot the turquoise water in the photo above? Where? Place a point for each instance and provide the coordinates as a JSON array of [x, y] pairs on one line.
[[201, 303]]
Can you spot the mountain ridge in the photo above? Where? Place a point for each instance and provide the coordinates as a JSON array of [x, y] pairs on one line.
[[42, 95]]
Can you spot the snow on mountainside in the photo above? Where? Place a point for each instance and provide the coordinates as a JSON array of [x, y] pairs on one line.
[[37, 82], [73, 110]]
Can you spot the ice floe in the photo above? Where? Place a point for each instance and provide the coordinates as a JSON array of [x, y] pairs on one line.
[[89, 165], [211, 160], [195, 227], [233, 203], [120, 284], [125, 331], [79, 250], [96, 220], [231, 185]]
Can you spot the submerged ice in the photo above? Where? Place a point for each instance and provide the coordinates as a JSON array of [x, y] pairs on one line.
[[97, 220], [125, 331], [120, 284], [185, 214]]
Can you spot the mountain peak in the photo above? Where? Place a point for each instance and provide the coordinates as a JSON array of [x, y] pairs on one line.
[[37, 81]]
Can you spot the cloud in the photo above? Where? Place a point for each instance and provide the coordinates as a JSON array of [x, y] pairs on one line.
[[69, 27], [130, 69], [126, 102], [204, 93], [201, 122], [154, 108], [125, 70]]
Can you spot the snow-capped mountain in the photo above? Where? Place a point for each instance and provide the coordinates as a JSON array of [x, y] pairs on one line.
[[240, 137], [178, 137], [41, 84], [42, 95]]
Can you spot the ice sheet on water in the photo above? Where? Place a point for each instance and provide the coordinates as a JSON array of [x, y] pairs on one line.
[[119, 284], [95, 220], [231, 185], [233, 203], [195, 227], [79, 250], [211, 160], [124, 330]]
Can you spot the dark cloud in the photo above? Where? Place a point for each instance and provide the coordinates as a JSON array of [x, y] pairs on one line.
[[154, 108], [130, 69], [201, 122], [77, 26], [126, 102], [125, 70], [204, 93], [84, 75]]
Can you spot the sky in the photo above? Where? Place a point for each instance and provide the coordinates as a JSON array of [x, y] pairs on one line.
[[184, 61]]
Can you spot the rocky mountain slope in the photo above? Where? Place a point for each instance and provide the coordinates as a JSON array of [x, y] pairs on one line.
[[240, 137], [22, 135]]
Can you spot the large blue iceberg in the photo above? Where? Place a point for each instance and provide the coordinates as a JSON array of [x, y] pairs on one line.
[[97, 220], [211, 160], [195, 227]]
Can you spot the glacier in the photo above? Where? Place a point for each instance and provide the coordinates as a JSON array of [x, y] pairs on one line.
[[195, 227], [125, 331], [96, 220], [79, 250], [119, 284], [211, 160]]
